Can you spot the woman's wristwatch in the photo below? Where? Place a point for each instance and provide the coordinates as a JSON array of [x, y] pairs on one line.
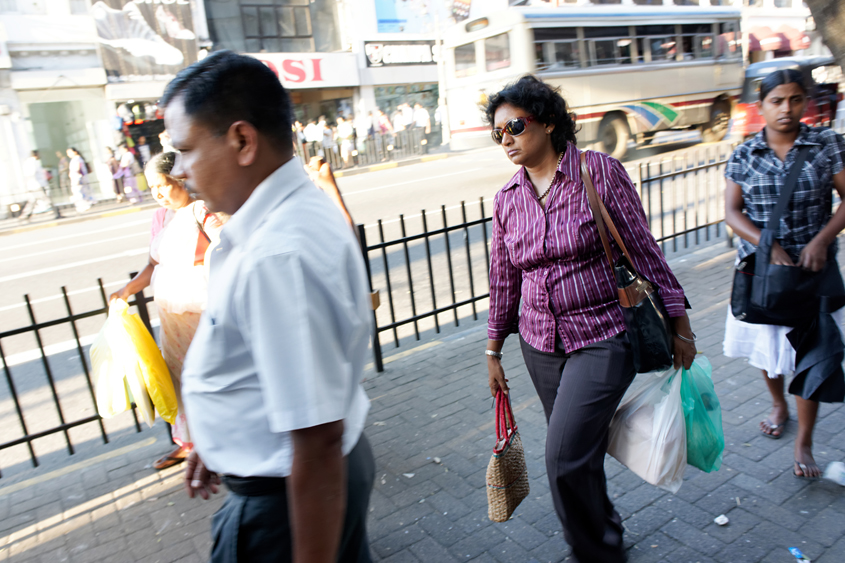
[[494, 353]]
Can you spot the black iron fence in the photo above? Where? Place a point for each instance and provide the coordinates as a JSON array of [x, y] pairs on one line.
[[439, 270], [436, 265], [23, 413]]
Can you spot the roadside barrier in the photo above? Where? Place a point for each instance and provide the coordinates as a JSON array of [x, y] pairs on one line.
[[139, 301], [426, 272]]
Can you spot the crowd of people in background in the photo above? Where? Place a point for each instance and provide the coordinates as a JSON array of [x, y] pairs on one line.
[[338, 141], [72, 176], [345, 137]]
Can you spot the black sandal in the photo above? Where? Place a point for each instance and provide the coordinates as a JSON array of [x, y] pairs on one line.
[[773, 427], [805, 469]]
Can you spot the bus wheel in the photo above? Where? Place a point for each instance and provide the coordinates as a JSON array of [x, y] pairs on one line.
[[613, 136], [716, 129]]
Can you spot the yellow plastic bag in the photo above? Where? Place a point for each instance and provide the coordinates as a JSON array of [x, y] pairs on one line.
[[135, 355], [147, 362], [109, 379]]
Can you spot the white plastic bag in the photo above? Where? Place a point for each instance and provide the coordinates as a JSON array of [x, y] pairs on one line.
[[109, 379], [648, 432]]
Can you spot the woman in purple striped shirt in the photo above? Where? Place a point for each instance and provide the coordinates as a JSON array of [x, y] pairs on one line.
[[546, 252]]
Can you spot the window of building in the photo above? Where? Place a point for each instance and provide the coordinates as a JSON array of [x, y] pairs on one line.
[[275, 28], [557, 48], [686, 2], [783, 3], [650, 2], [754, 3], [8, 6], [721, 2], [497, 52], [465, 60]]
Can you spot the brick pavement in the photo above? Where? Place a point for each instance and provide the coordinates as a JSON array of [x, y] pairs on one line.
[[432, 402]]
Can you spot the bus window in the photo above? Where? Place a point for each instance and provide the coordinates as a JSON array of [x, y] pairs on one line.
[[728, 44], [556, 48], [465, 60], [697, 41], [557, 55], [662, 48], [608, 45], [656, 43], [497, 52]]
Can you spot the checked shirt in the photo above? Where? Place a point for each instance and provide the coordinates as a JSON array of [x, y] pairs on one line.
[[761, 175]]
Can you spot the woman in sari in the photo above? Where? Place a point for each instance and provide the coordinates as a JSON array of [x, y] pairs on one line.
[[182, 232]]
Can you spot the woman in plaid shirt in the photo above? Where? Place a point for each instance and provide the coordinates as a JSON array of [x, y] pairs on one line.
[[755, 177]]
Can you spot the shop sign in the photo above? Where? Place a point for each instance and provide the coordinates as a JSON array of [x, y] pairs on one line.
[[312, 70], [144, 39], [391, 53]]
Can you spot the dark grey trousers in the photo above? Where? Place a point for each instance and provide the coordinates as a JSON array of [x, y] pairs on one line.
[[580, 392], [253, 524]]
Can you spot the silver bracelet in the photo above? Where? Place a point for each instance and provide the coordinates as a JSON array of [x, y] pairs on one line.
[[685, 339], [494, 354]]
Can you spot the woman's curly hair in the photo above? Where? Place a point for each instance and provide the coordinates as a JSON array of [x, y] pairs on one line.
[[540, 100]]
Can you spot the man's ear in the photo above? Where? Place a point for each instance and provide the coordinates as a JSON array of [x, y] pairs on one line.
[[242, 137]]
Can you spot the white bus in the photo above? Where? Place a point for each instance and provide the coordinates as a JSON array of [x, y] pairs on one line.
[[627, 72]]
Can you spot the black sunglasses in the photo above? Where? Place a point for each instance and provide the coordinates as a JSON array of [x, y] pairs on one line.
[[515, 127]]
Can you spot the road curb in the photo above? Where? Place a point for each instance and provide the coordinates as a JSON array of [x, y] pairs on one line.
[[78, 219], [389, 165]]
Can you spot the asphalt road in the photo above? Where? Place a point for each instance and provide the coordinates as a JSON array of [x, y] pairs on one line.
[[40, 262]]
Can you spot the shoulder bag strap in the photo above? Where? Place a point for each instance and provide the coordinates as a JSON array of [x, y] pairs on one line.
[[601, 216], [788, 188]]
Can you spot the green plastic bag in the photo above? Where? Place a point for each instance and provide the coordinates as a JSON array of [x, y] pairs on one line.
[[703, 417]]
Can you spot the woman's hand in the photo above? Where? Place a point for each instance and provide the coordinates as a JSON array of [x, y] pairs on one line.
[[779, 256], [683, 351], [122, 293], [814, 255], [496, 376]]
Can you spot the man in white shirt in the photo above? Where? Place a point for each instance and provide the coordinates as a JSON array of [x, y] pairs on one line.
[[37, 187], [271, 383], [143, 151], [422, 118], [313, 136]]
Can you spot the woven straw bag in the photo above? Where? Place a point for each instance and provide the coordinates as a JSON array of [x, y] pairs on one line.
[[507, 475]]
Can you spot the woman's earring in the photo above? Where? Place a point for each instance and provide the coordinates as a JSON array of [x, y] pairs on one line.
[[548, 131]]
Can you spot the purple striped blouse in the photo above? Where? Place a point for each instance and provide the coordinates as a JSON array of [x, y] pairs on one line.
[[555, 261]]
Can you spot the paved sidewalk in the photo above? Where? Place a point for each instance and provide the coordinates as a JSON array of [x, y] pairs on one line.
[[431, 427]]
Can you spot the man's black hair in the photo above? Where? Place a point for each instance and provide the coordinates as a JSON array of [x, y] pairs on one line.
[[226, 87]]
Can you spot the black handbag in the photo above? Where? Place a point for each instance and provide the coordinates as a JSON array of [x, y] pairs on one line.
[[646, 319], [766, 293]]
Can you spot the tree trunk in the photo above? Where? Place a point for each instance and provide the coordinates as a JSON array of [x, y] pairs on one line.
[[829, 16]]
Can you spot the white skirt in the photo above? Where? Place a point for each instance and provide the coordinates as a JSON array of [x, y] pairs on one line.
[[765, 346]]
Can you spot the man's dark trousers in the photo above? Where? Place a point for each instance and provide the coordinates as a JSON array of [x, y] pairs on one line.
[[253, 524]]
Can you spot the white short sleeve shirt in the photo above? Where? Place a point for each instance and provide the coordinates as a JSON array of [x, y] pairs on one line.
[[284, 338]]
